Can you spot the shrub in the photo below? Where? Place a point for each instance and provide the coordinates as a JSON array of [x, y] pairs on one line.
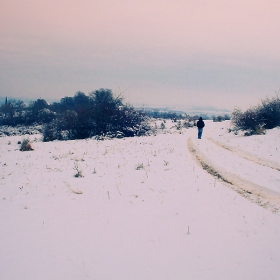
[[99, 114], [52, 131], [270, 112], [45, 115], [256, 119], [249, 120], [218, 119], [178, 125], [188, 123], [26, 145], [221, 118]]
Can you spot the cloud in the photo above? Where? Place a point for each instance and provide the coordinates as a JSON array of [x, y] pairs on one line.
[[170, 51]]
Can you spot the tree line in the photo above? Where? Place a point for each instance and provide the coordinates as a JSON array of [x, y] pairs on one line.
[[77, 117]]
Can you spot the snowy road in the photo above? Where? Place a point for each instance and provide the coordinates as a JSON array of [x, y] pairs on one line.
[[254, 177], [247, 155]]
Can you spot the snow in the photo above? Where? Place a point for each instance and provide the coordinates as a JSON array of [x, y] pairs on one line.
[[144, 208], [267, 146]]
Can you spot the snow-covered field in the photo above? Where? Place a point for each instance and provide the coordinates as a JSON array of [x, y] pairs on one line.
[[145, 208]]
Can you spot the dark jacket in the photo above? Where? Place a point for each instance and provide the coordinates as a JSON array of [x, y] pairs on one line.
[[200, 124]]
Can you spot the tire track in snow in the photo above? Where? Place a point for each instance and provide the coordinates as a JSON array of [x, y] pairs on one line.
[[246, 155], [265, 197]]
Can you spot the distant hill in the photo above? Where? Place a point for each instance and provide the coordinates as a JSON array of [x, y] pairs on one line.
[[192, 111]]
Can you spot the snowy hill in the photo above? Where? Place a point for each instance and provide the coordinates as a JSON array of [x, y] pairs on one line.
[[160, 207]]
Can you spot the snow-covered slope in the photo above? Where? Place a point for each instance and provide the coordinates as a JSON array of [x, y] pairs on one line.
[[144, 209]]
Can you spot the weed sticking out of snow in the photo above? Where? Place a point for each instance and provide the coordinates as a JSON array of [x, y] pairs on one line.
[[165, 163], [139, 166], [79, 172]]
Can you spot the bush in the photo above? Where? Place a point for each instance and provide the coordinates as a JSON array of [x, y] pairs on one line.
[[246, 120], [45, 115], [188, 123], [52, 131], [270, 112], [221, 118], [256, 119], [26, 145], [179, 125], [100, 114]]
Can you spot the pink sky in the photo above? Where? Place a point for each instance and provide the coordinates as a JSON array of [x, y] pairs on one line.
[[166, 52]]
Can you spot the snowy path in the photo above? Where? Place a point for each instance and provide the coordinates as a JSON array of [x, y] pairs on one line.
[[263, 149], [247, 155], [253, 177]]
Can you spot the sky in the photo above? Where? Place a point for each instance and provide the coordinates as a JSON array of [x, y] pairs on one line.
[[219, 53]]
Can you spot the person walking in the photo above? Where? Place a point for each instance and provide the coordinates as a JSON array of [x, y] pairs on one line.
[[200, 124]]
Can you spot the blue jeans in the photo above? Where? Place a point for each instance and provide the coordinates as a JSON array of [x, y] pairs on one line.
[[200, 133]]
